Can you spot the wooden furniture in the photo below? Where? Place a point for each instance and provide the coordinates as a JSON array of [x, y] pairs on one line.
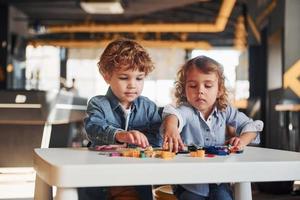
[[288, 107]]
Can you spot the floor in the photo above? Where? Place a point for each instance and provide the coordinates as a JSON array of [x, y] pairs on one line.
[[264, 196], [19, 185], [256, 195], [274, 197]]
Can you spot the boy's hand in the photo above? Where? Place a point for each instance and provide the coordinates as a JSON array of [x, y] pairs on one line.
[[132, 137], [172, 139]]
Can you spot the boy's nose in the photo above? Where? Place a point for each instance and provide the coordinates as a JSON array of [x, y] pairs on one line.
[[131, 84]]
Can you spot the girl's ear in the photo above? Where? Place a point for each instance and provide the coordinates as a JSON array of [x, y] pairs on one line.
[[220, 93]]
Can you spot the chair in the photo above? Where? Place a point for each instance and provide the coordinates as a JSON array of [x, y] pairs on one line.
[[164, 192]]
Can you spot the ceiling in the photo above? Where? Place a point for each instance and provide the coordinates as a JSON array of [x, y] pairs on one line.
[[191, 23]]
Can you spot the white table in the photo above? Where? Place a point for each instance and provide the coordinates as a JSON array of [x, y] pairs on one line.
[[70, 168]]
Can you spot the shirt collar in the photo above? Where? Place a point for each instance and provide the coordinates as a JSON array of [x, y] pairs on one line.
[[208, 121], [214, 111], [114, 101]]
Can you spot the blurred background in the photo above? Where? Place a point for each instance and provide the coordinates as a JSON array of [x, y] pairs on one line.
[[48, 72]]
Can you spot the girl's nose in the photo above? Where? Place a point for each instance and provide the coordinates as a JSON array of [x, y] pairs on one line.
[[201, 90]]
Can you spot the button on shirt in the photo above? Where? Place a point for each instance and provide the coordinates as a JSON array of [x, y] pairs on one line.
[[194, 129], [105, 117]]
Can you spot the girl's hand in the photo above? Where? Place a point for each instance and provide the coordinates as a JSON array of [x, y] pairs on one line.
[[243, 140], [172, 139], [132, 137], [236, 141]]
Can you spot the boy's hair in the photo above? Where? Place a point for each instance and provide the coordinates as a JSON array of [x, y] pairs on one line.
[[124, 53], [206, 65]]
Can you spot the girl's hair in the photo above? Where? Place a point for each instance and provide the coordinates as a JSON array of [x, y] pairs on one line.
[[124, 53], [206, 65]]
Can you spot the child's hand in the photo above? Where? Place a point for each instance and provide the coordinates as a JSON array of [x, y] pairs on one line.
[[243, 140], [237, 142], [172, 140], [132, 137]]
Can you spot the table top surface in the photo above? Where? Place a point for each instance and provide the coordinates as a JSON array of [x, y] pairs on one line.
[[80, 167]]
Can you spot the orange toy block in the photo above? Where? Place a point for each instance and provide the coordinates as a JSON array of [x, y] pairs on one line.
[[167, 155], [198, 153]]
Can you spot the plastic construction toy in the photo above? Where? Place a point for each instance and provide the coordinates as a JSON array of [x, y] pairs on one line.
[[235, 149], [134, 152], [106, 148], [217, 150], [214, 150]]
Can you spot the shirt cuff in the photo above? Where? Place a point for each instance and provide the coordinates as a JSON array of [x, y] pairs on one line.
[[256, 126], [112, 135]]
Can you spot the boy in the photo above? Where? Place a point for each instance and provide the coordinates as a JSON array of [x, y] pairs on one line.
[[122, 116]]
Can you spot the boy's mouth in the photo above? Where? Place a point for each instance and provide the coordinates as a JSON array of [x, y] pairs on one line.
[[130, 93]]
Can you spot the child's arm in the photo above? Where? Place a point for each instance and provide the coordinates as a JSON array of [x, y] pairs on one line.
[[132, 137], [247, 130]]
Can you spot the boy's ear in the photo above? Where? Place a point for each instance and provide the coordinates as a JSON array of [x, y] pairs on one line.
[[106, 77]]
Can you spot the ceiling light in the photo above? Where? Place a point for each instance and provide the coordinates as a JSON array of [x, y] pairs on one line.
[[102, 6]]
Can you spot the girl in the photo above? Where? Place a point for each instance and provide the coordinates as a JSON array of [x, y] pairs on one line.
[[201, 118]]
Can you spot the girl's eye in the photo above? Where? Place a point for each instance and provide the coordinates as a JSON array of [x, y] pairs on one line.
[[208, 86], [140, 78], [192, 86]]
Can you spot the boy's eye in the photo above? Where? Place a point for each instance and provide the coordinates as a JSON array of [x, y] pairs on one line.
[[140, 78], [123, 78]]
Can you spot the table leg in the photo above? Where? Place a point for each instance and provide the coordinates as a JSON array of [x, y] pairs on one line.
[[242, 191], [66, 194], [42, 190]]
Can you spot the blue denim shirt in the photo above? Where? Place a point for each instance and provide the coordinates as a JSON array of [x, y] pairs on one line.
[[195, 130], [106, 117]]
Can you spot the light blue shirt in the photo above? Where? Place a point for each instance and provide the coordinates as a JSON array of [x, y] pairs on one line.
[[194, 129]]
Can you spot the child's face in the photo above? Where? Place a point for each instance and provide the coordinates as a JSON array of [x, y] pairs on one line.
[[201, 90], [127, 85]]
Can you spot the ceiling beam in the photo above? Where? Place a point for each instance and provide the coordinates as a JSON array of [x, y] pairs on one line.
[[240, 41], [218, 26], [265, 13], [102, 43]]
